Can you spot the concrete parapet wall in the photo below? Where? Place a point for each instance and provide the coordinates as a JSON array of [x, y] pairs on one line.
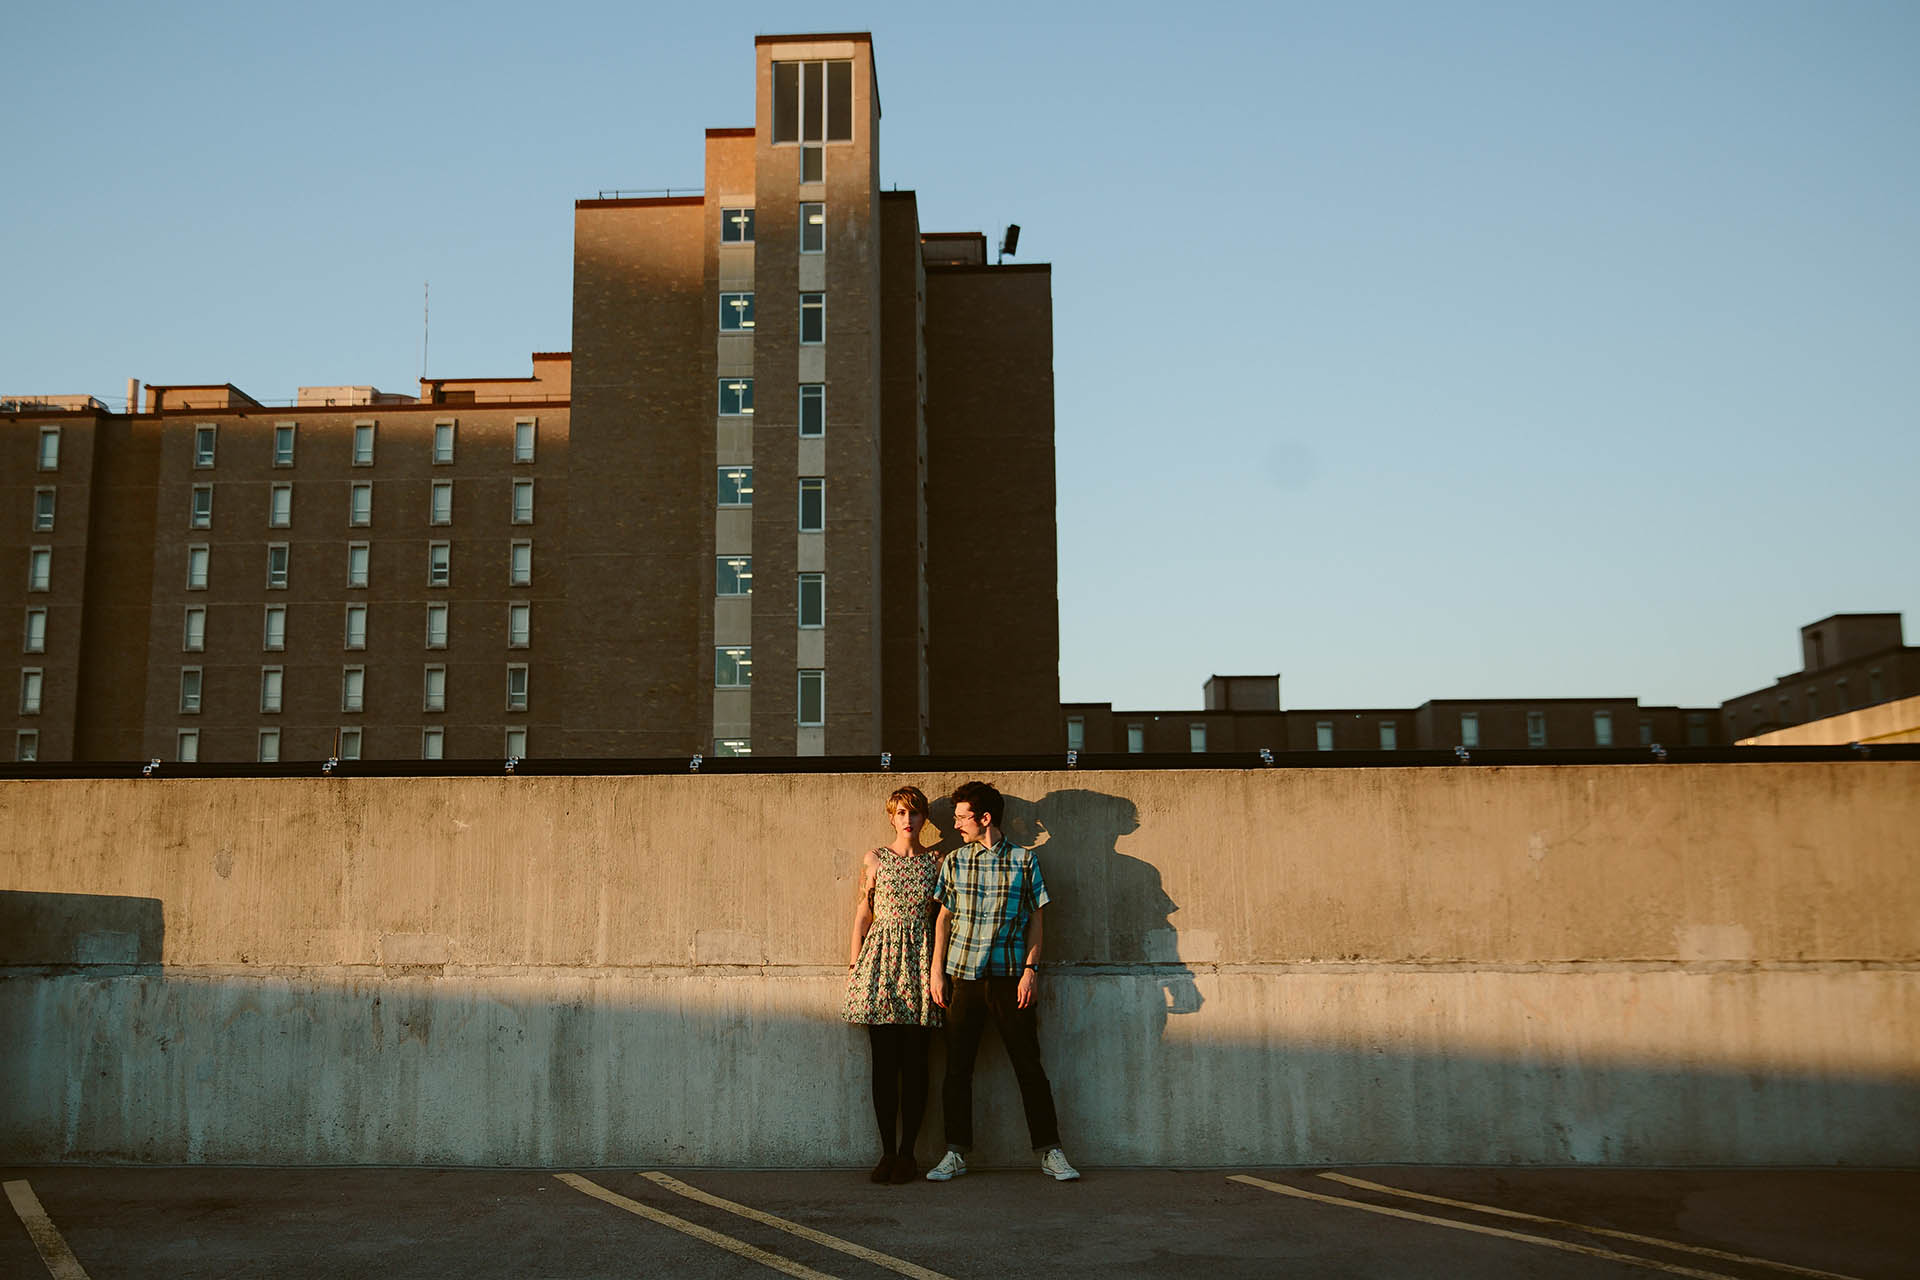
[[1663, 964]]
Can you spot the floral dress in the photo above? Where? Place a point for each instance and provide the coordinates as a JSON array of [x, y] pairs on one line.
[[889, 981]]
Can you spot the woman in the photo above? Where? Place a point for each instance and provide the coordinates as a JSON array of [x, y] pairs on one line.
[[887, 978]]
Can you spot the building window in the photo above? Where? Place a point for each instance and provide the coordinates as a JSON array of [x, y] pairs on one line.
[[363, 444], [359, 555], [186, 746], [49, 459], [271, 679], [269, 748], [439, 564], [1389, 735], [1603, 728], [813, 101], [31, 682], [26, 745], [1536, 728], [433, 743], [736, 226], [733, 575], [732, 746], [280, 506], [442, 444], [203, 441], [273, 632], [1136, 739], [1469, 728], [277, 560], [356, 632], [736, 396], [813, 600], [519, 626], [1197, 738], [202, 513], [440, 503], [813, 410], [1323, 735], [736, 313], [436, 626], [194, 636], [813, 164], [35, 640], [523, 440], [353, 689], [346, 742], [283, 445], [735, 487], [1696, 729], [516, 743], [40, 569], [813, 319], [523, 502], [360, 505], [813, 504], [42, 510], [190, 691], [733, 667], [434, 693], [1646, 733], [813, 228], [813, 698], [520, 565], [1076, 733], [517, 687]]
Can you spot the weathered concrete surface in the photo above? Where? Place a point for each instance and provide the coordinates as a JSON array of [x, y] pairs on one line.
[[1654, 965]]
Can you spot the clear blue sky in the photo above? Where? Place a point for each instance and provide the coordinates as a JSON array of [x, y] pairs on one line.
[[1407, 349]]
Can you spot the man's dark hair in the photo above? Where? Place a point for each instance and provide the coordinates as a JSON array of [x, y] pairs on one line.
[[983, 799]]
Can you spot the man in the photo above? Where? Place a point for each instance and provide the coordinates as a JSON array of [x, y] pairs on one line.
[[986, 946]]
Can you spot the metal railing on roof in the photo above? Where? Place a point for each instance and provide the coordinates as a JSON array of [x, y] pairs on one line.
[[649, 193]]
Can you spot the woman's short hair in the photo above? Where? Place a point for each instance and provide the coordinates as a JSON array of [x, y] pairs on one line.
[[911, 798]]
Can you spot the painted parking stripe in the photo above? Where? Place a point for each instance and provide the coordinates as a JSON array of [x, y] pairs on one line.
[[1580, 1226], [694, 1229], [1565, 1246], [861, 1252], [46, 1237]]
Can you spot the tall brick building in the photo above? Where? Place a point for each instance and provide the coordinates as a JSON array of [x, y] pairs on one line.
[[705, 529]]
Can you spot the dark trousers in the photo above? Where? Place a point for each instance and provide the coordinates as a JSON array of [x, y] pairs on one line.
[[973, 1002]]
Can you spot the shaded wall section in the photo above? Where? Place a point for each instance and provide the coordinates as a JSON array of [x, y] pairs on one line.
[[1679, 964]]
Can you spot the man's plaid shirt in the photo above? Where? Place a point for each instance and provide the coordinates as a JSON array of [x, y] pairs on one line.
[[992, 893]]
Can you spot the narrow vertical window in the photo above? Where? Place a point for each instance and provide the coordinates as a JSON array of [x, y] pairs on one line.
[[35, 640], [1603, 728], [813, 504], [186, 746], [733, 575], [736, 313], [813, 698], [516, 742], [190, 691], [193, 636], [31, 683], [283, 445], [441, 509], [523, 441], [363, 444], [1076, 733], [436, 626], [442, 443], [277, 561], [280, 506], [813, 600], [1197, 738], [353, 688], [1323, 735], [813, 319], [736, 397], [356, 628], [269, 746], [42, 510], [40, 569], [523, 502], [1389, 735], [735, 487], [198, 559], [271, 679], [49, 456], [439, 564], [1536, 728], [203, 442], [359, 555], [273, 630], [433, 743], [360, 505], [347, 742], [520, 565], [517, 687], [26, 745], [813, 228], [1469, 728], [434, 696], [519, 625], [201, 516], [1136, 739], [813, 410]]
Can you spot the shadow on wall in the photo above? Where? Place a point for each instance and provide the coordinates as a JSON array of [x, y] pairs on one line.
[[57, 930]]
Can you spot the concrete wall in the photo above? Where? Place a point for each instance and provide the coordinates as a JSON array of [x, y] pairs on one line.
[[1896, 721], [1673, 964]]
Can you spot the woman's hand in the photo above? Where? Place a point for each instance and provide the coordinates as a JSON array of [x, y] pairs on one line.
[[938, 987]]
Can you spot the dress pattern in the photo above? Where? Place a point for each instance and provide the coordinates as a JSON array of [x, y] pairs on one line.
[[888, 984]]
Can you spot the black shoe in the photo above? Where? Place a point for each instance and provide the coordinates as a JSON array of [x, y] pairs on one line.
[[904, 1169], [883, 1171]]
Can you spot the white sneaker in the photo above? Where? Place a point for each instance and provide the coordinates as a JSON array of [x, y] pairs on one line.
[[950, 1167], [1055, 1166]]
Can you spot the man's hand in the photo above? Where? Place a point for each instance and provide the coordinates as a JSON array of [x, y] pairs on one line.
[[939, 987], [1029, 989]]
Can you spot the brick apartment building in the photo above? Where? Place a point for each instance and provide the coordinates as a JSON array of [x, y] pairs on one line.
[[1850, 661], [704, 529]]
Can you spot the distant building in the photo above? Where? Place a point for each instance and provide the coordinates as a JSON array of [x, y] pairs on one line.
[[1847, 662], [703, 529]]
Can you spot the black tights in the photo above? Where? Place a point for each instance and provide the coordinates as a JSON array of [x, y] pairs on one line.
[[899, 1083]]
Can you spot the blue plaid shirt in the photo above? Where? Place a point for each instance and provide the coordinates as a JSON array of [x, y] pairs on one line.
[[992, 893]]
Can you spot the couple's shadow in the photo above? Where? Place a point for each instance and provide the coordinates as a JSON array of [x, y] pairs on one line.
[[1108, 908]]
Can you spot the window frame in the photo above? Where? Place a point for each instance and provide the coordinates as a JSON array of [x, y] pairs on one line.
[[261, 741], [433, 742], [44, 496], [519, 624], [206, 445], [742, 401], [1536, 729], [273, 689], [443, 612], [347, 742], [288, 432], [190, 642], [742, 313], [440, 503], [45, 459], [1076, 733], [1137, 738], [740, 217], [514, 750], [1469, 720], [359, 514], [33, 690], [811, 582], [1197, 738], [522, 514], [1389, 735], [814, 301], [738, 658], [274, 613], [352, 612], [432, 699], [200, 509], [742, 477], [200, 553], [353, 689], [26, 745], [518, 699], [809, 209], [280, 506], [198, 698], [1602, 727], [186, 746], [359, 581], [813, 395], [366, 432], [816, 676], [443, 432], [32, 639], [1323, 735], [39, 569], [514, 576], [284, 553], [817, 487], [439, 565], [532, 428], [735, 571]]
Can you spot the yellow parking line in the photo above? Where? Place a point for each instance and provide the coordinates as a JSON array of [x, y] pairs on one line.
[[46, 1237], [861, 1252], [1579, 1226], [1565, 1246], [694, 1229]]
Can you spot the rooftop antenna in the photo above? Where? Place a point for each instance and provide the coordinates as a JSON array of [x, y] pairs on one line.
[[426, 298], [1009, 243]]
